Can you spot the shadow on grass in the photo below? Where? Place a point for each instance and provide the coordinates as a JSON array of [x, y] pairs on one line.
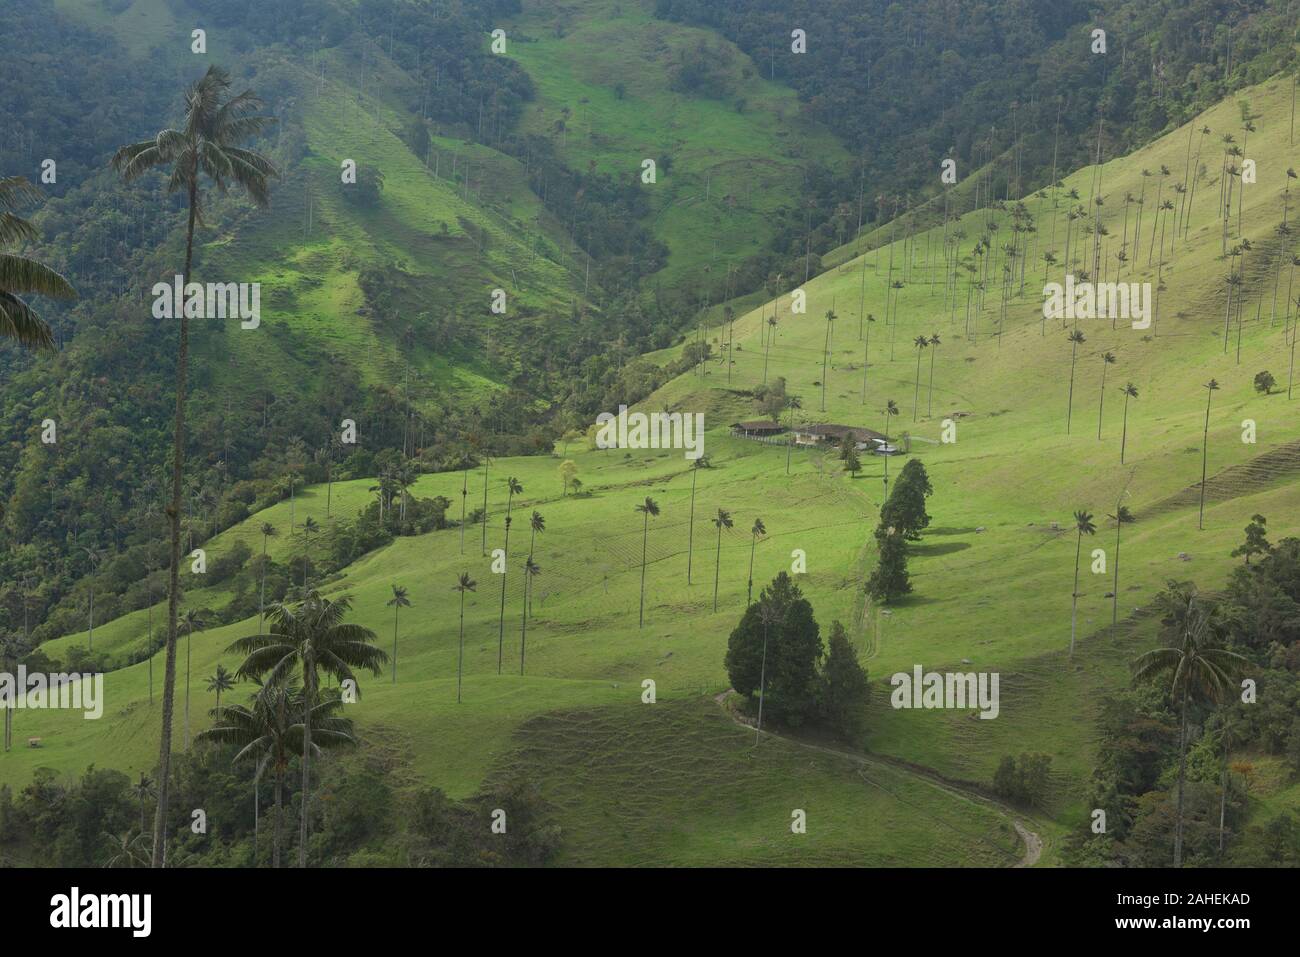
[[944, 549]]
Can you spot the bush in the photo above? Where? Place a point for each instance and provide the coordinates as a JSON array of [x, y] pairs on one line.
[[1023, 780]]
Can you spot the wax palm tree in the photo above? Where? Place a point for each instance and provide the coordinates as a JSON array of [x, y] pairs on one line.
[[649, 508], [272, 729], [891, 409], [262, 734], [220, 680], [531, 571], [12, 648], [1107, 359], [1196, 175], [769, 615], [268, 531], [1195, 666], [312, 637], [21, 276], [722, 520], [128, 850], [866, 347], [701, 463], [792, 402], [1121, 517], [1232, 282], [144, 789], [757, 532], [308, 526], [1083, 526], [1076, 339], [191, 622], [929, 401], [771, 334], [826, 352], [513, 488], [921, 343], [464, 492], [1130, 392], [463, 584], [204, 148], [486, 462], [397, 603], [1210, 388], [536, 523], [95, 555]]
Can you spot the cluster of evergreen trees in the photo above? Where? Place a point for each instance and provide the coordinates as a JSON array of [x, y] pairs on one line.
[[902, 520], [775, 656]]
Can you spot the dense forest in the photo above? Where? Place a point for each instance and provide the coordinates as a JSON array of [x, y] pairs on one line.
[[994, 82]]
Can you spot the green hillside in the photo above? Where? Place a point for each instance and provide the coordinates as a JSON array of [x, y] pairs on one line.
[[640, 753], [610, 91]]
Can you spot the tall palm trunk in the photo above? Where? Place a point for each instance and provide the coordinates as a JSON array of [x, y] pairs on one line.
[[762, 684], [1205, 454], [460, 655], [929, 401], [1069, 409], [1074, 598], [309, 702], [174, 517], [501, 623], [464, 496], [523, 630], [1182, 775], [189, 638], [690, 527], [1123, 441], [395, 610], [645, 536], [485, 496], [1101, 401], [279, 809], [717, 569], [1114, 590], [749, 595], [261, 601], [1223, 791]]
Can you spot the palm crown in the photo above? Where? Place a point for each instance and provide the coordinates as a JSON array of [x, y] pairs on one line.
[[205, 145], [20, 275]]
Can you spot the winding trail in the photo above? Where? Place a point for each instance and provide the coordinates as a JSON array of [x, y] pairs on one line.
[[1032, 841]]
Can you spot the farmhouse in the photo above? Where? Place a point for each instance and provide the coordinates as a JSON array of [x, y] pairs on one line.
[[757, 429], [831, 434]]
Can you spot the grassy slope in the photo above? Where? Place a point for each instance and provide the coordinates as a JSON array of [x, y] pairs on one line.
[[1002, 597], [310, 280], [732, 169], [584, 649], [999, 598]]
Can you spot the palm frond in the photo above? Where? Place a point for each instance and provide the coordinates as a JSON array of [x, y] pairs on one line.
[[15, 229], [18, 321], [18, 274]]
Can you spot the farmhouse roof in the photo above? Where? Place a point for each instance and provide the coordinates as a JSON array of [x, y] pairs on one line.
[[832, 431]]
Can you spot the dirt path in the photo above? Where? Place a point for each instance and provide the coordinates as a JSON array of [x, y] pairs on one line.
[[1033, 843]]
